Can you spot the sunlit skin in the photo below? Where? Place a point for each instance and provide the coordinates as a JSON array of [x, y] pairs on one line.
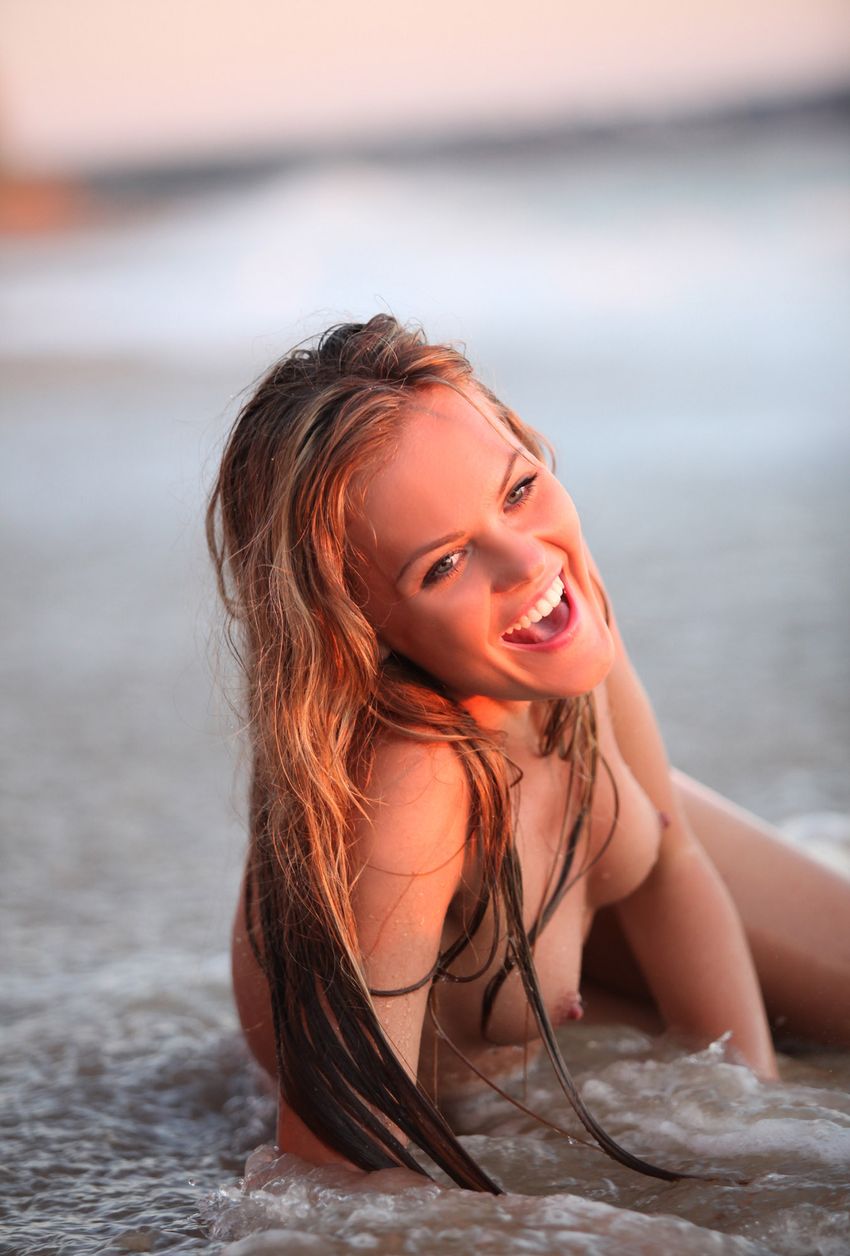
[[505, 529], [459, 532]]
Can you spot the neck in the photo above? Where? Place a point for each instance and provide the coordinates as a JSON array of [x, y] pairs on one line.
[[520, 722]]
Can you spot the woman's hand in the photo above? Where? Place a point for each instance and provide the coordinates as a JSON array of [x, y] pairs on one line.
[[391, 1182], [690, 943], [270, 1169]]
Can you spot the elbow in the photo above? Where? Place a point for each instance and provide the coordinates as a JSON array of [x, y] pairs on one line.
[[297, 1139]]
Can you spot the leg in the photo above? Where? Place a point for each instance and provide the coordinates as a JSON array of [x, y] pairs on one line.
[[795, 911]]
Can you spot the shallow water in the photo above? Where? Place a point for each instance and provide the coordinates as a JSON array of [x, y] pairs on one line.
[[128, 1104], [138, 1109], [790, 1142]]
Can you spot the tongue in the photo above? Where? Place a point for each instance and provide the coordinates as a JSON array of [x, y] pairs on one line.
[[543, 630]]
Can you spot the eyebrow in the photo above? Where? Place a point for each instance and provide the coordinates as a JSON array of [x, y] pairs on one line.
[[455, 536]]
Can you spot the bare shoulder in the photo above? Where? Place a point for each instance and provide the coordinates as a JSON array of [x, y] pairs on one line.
[[416, 807], [634, 790], [638, 751], [623, 707], [406, 769], [605, 730], [408, 851]]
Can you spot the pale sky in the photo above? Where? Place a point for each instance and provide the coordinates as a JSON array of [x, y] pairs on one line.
[[89, 83]]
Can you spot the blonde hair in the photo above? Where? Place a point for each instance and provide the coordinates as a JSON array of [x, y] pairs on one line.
[[317, 696]]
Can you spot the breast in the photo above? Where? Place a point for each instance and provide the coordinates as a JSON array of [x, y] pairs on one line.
[[622, 858], [557, 961], [618, 862]]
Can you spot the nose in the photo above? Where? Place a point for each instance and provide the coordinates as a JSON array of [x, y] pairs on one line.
[[520, 560]]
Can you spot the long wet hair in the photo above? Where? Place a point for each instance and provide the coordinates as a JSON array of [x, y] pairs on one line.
[[318, 697]]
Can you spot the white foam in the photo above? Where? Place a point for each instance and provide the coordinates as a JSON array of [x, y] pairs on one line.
[[298, 1208]]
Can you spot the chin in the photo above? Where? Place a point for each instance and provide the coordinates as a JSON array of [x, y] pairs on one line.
[[594, 669], [607, 652]]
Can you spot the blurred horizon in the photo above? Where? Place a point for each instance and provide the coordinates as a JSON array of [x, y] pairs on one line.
[[173, 83], [556, 139]]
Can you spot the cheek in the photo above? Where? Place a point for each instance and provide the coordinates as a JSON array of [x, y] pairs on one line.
[[441, 636], [563, 506], [371, 597]]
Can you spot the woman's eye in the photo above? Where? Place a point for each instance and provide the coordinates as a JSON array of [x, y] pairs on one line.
[[521, 491], [447, 565], [444, 566]]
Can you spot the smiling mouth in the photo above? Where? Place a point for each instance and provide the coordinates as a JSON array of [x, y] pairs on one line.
[[544, 629]]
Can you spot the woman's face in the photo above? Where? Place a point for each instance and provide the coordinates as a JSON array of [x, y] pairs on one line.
[[464, 532]]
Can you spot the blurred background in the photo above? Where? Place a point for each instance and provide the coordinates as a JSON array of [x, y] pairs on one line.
[[635, 215]]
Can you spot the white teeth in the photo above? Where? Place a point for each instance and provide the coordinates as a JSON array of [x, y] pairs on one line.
[[543, 606]]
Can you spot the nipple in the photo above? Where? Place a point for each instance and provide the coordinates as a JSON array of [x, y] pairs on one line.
[[576, 1009], [664, 820], [568, 1008]]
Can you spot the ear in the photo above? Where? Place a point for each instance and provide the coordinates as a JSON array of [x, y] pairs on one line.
[[384, 651]]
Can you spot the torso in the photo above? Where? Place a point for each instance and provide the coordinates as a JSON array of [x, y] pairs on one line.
[[616, 868]]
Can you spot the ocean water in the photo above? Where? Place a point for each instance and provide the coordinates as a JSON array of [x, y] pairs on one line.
[[676, 318]]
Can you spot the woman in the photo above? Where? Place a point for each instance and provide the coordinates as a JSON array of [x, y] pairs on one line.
[[461, 808]]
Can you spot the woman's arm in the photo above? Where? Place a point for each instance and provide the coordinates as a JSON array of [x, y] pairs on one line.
[[408, 851], [796, 913], [681, 922]]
